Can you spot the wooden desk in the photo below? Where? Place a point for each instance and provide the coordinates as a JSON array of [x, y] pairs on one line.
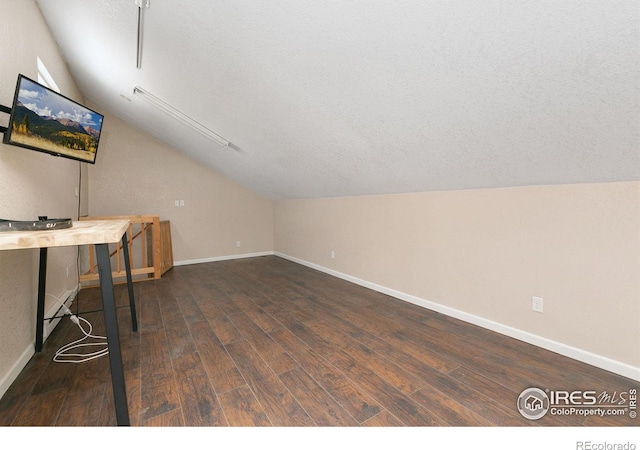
[[100, 233]]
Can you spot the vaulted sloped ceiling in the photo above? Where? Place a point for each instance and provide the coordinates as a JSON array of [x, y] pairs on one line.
[[346, 97]]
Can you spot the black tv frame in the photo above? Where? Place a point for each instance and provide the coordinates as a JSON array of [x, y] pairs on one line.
[[81, 155]]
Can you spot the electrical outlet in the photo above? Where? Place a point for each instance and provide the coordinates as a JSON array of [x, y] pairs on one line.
[[237, 243], [537, 304], [333, 254]]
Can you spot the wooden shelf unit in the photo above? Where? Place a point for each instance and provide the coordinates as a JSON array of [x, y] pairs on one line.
[[150, 250]]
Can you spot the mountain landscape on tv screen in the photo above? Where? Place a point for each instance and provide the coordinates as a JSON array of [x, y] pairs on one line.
[[65, 133]]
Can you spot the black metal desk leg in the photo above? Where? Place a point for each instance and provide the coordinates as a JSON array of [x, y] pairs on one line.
[[127, 265], [42, 281], [113, 339]]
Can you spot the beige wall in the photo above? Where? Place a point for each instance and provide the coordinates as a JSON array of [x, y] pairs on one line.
[[33, 184], [487, 252], [137, 174]]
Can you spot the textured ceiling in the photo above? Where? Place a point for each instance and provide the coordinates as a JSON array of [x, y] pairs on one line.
[[329, 98]]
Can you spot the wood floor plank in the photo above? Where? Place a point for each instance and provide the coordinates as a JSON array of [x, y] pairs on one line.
[[41, 409], [222, 371], [108, 411], [495, 404], [130, 348], [189, 308], [359, 405], [158, 394], [243, 409], [52, 380], [290, 315], [246, 302], [172, 418], [280, 406], [322, 408], [309, 337], [451, 348], [384, 368], [225, 329], [405, 409], [150, 317], [361, 318], [176, 330], [198, 401], [210, 300], [383, 419], [418, 361], [267, 348], [454, 413], [85, 405], [484, 385]]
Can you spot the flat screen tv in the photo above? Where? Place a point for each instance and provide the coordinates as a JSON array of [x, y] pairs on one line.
[[45, 121]]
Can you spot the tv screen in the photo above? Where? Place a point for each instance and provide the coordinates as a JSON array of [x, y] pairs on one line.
[[43, 120]]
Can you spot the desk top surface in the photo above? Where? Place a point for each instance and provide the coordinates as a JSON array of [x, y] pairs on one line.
[[84, 232]]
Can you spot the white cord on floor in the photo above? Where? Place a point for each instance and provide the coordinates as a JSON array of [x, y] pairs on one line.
[[64, 355], [64, 352]]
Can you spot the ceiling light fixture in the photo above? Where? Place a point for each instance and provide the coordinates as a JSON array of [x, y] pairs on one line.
[[180, 116], [142, 5]]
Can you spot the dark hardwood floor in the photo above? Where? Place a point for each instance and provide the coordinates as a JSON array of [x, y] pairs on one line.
[[266, 342]]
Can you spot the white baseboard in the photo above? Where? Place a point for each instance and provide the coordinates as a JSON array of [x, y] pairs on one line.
[[15, 370], [68, 297], [578, 354], [220, 258]]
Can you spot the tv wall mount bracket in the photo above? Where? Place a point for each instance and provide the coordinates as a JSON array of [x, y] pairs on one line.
[[7, 110]]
